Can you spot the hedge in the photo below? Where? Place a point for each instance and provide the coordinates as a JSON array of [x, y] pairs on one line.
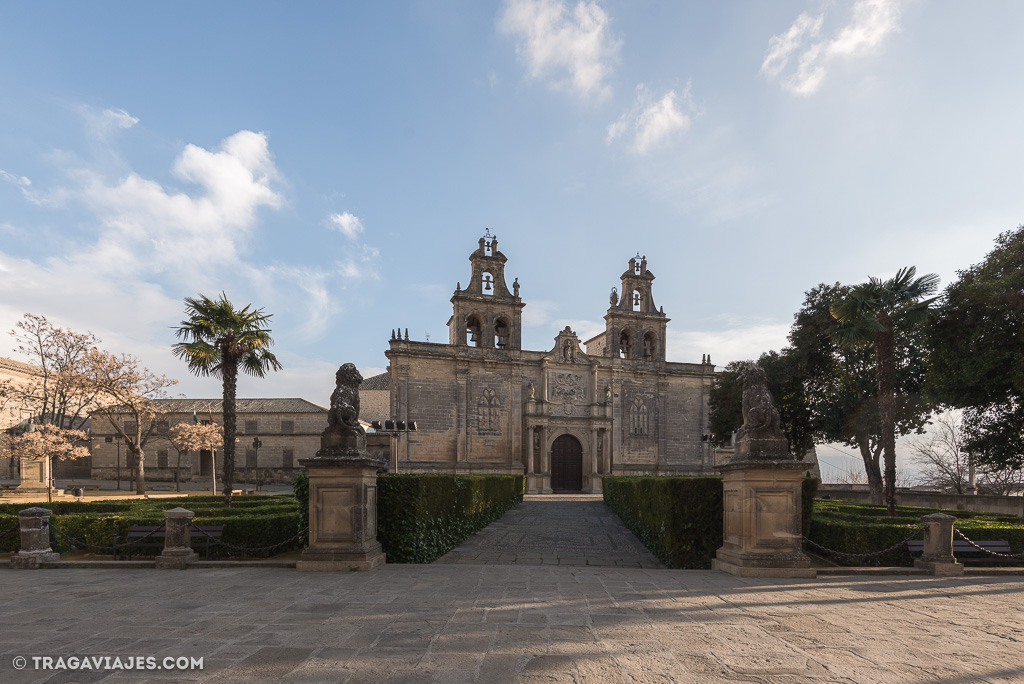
[[866, 528], [422, 517], [679, 519], [252, 521]]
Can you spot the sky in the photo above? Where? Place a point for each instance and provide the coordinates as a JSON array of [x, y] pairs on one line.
[[335, 164]]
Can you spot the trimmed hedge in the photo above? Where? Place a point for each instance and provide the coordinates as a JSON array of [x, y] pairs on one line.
[[252, 521], [301, 489], [866, 528], [422, 517], [679, 519]]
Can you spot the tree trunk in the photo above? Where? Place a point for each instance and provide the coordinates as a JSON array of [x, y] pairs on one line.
[[230, 372], [885, 360], [871, 469], [177, 473], [140, 471]]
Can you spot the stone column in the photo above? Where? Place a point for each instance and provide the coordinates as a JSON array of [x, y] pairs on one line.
[[762, 487], [177, 553], [937, 557], [595, 464], [343, 488], [35, 540], [762, 532], [342, 514], [529, 451], [545, 463]]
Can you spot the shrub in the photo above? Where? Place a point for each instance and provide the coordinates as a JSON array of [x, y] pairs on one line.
[[422, 517], [301, 489], [680, 519]]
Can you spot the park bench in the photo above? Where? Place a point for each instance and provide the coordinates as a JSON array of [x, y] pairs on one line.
[[70, 489], [160, 488], [152, 536], [967, 554]]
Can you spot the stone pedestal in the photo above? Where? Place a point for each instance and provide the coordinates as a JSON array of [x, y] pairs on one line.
[[596, 483], [534, 483], [342, 511], [937, 557], [177, 553], [35, 540], [35, 474], [762, 526]]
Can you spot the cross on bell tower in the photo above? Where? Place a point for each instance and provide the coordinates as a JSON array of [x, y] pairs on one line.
[[634, 327], [486, 314]]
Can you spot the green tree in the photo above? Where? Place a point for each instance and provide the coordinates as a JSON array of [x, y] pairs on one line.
[[872, 313], [977, 358], [218, 340]]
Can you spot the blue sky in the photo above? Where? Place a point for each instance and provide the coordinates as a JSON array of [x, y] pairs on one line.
[[335, 163]]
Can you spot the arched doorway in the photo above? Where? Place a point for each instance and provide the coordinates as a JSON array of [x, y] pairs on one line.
[[567, 464]]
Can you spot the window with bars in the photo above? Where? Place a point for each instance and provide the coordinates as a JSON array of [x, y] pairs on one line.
[[161, 426], [161, 458], [287, 427], [251, 427], [287, 458], [130, 427], [250, 458]]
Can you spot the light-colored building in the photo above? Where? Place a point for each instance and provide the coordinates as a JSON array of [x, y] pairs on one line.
[[288, 429], [565, 417]]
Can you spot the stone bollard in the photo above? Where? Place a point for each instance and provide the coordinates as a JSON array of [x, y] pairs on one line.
[[35, 540], [938, 557], [177, 553]]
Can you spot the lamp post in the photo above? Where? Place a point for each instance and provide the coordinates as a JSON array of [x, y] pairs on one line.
[[256, 444], [396, 429]]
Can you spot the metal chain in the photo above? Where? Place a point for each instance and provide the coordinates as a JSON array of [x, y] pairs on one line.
[[111, 549], [982, 548], [248, 548], [865, 555], [10, 529]]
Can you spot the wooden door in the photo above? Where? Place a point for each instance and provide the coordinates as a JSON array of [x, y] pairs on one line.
[[567, 464]]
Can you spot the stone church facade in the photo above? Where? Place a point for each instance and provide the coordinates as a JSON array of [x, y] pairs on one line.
[[563, 417]]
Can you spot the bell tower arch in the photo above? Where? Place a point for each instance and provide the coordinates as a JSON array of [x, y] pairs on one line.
[[486, 314], [634, 327]]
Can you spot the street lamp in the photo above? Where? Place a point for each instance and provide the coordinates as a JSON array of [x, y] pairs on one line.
[[395, 429], [108, 439], [256, 444]]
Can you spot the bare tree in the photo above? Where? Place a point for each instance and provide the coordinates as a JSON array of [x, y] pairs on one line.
[[61, 394], [186, 437], [130, 390], [940, 453]]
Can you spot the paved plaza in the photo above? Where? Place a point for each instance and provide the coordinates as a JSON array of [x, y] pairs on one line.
[[514, 622]]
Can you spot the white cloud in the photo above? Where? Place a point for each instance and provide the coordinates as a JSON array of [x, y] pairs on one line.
[[17, 180], [101, 124], [733, 344], [360, 264], [871, 22], [651, 123], [572, 49], [347, 224], [147, 227]]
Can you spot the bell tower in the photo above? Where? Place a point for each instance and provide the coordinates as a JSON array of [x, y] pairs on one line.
[[486, 314], [634, 327]]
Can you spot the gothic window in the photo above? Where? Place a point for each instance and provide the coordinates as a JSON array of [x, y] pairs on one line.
[[625, 344], [638, 418], [650, 346], [489, 412], [473, 331], [501, 329], [488, 281]]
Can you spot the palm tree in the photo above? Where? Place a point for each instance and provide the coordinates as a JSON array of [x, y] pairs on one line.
[[871, 313], [218, 340]]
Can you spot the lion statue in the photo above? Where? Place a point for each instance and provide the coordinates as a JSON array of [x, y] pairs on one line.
[[343, 433], [761, 436]]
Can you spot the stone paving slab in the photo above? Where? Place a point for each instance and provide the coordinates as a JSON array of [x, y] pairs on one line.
[[511, 623], [555, 529]]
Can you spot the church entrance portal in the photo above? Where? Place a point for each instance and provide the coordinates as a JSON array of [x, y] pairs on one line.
[[566, 464]]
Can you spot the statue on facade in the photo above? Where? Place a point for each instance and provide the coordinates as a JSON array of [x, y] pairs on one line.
[[531, 391], [344, 434], [613, 299], [761, 437], [515, 287]]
